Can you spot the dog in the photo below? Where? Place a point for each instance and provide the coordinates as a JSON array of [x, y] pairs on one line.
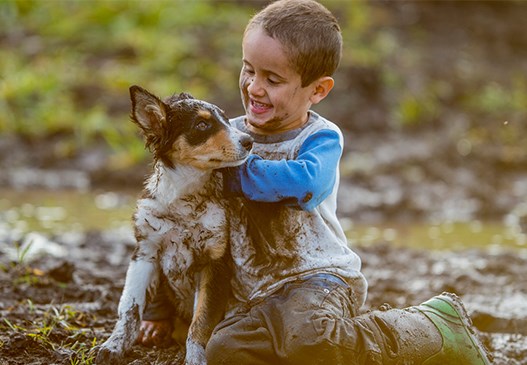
[[180, 223]]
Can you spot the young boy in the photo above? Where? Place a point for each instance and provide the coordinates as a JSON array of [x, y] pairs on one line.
[[297, 285]]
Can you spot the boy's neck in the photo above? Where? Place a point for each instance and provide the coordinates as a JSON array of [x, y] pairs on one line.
[[274, 137]]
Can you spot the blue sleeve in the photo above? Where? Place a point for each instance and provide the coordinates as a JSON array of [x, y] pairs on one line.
[[303, 182]]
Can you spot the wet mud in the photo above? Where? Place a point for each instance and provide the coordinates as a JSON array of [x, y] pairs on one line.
[[54, 309]]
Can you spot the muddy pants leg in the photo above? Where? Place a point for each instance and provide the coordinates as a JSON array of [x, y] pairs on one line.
[[303, 323], [314, 322]]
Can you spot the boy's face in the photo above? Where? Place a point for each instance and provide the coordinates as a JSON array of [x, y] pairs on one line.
[[271, 91]]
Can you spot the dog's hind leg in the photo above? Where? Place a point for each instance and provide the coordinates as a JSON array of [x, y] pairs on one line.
[[209, 309], [141, 278]]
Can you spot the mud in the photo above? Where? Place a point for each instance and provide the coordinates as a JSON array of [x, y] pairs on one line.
[[55, 308]]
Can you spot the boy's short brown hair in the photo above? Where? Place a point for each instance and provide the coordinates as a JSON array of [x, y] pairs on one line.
[[309, 33]]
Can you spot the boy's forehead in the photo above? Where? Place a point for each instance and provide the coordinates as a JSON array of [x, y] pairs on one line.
[[262, 51]]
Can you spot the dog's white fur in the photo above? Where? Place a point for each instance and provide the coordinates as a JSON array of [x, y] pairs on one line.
[[181, 229]]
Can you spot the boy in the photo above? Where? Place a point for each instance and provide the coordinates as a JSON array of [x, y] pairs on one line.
[[297, 285]]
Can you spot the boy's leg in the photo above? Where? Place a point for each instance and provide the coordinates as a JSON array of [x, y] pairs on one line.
[[436, 332], [279, 329], [311, 323], [241, 339]]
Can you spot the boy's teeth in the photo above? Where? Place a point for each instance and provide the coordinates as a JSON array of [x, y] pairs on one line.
[[255, 103]]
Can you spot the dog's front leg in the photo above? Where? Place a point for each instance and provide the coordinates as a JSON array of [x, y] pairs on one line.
[[141, 277]]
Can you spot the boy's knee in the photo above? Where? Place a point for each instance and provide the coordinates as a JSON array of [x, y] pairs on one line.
[[313, 347]]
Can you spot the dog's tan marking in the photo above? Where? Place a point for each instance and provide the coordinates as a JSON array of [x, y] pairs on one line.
[[204, 113], [219, 147]]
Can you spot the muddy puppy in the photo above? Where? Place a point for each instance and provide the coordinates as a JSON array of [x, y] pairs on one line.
[[180, 221]]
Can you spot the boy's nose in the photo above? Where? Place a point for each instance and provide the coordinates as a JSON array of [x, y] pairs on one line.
[[254, 86]]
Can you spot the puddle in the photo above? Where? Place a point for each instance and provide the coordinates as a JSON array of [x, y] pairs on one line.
[[59, 212], [491, 235]]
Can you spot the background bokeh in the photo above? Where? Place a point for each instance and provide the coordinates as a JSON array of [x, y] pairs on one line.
[[431, 96]]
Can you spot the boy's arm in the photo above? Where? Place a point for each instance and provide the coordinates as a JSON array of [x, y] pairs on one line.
[[304, 182]]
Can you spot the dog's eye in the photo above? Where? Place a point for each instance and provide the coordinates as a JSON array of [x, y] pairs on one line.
[[202, 125]]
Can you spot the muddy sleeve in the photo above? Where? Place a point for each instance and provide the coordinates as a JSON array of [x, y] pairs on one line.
[[303, 182]]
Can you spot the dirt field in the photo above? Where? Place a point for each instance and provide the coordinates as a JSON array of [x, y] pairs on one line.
[[55, 308]]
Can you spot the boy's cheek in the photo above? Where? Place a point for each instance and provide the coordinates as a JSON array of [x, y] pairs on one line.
[[244, 82]]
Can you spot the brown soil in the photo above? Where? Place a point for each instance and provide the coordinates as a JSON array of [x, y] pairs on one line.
[[53, 310]]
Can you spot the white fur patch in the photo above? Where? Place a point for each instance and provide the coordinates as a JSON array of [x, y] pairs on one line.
[[195, 354], [168, 185], [140, 277]]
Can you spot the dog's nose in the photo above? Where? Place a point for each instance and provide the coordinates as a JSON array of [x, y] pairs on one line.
[[247, 142]]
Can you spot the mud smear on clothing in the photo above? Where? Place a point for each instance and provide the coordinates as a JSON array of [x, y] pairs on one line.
[[263, 221], [55, 309]]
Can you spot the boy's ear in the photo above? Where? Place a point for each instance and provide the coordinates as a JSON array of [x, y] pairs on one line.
[[322, 87]]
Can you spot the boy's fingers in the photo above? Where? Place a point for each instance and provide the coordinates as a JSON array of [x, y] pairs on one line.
[[145, 334], [153, 333], [158, 336]]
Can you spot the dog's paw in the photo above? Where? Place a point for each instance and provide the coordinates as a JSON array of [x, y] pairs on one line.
[[108, 355], [195, 354]]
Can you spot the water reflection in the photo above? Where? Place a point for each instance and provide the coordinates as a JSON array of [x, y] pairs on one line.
[[448, 235], [58, 212], [54, 213]]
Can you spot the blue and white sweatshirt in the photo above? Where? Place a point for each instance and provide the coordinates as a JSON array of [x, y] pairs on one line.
[[284, 224]]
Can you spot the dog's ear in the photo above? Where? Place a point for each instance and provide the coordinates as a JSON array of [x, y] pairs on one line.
[[148, 111]]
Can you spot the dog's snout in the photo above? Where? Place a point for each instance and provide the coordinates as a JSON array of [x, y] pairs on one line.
[[247, 142]]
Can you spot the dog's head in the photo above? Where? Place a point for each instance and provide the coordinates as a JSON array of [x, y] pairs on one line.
[[184, 130]]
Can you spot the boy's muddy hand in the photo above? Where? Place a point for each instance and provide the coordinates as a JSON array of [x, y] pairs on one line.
[[154, 333]]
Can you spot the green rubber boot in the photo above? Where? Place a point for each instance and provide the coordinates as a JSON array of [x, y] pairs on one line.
[[460, 341]]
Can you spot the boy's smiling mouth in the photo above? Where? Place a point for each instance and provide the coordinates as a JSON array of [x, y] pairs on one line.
[[258, 107]]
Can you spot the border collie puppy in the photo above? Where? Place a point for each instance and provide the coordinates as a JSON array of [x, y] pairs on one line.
[[180, 222]]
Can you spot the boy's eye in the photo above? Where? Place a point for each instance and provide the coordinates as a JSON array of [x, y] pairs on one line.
[[273, 82], [246, 69], [202, 125]]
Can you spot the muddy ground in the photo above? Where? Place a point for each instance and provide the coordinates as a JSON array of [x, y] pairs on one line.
[[56, 306]]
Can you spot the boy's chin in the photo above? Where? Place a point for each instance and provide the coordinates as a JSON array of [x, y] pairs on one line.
[[263, 127]]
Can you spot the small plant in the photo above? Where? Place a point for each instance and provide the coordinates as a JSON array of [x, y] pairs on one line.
[[83, 354], [22, 251], [58, 328]]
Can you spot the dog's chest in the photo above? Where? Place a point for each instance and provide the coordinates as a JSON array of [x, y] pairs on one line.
[[185, 233]]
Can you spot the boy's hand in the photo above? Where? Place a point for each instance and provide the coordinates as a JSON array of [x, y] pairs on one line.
[[155, 333]]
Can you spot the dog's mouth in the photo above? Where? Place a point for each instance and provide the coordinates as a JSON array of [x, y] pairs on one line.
[[229, 162]]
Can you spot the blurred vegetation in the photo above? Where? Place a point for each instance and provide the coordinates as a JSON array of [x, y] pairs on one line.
[[65, 66]]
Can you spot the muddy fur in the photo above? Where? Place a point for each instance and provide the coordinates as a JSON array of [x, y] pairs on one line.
[[180, 222]]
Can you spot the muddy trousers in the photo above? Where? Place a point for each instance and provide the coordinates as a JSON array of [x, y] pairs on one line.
[[314, 321]]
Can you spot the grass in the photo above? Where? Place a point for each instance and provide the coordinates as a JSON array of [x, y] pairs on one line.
[[57, 329]]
